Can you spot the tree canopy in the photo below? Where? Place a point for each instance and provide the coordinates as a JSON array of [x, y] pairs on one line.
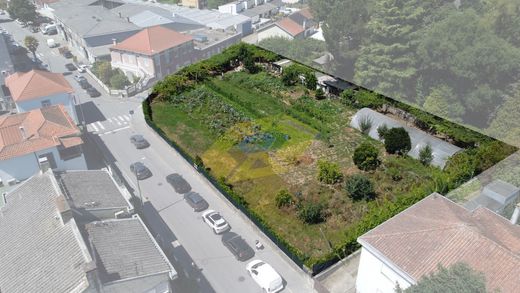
[[23, 10]]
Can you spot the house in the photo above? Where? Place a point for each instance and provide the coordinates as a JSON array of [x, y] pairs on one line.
[[41, 138], [496, 196], [154, 52], [436, 231], [38, 89], [90, 28], [284, 28], [48, 251], [93, 195], [199, 4]]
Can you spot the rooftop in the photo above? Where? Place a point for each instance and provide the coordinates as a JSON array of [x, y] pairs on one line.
[[40, 129], [290, 26], [211, 19], [115, 240], [153, 40], [438, 231], [91, 189], [260, 9], [211, 37], [35, 84], [36, 244]]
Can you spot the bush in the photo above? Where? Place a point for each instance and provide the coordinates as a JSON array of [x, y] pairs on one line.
[[360, 187], [320, 95], [397, 141], [365, 124], [347, 96], [311, 213], [366, 157], [283, 199], [426, 155], [329, 173], [394, 173], [118, 80], [382, 130], [460, 167]]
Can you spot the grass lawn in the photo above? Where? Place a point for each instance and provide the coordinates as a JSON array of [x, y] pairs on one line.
[[262, 137]]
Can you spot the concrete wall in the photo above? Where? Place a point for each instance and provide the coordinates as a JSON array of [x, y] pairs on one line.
[[376, 276], [218, 47], [273, 31], [65, 99], [156, 283]]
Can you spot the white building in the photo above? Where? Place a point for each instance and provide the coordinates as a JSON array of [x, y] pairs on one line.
[[42, 138], [437, 231], [37, 89]]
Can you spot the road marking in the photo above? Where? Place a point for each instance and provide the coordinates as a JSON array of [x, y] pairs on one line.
[[115, 130], [101, 125], [118, 123], [54, 53], [126, 117], [121, 118], [39, 55], [94, 126]]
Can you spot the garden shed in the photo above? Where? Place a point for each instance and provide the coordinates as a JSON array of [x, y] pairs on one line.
[[441, 149], [495, 196]]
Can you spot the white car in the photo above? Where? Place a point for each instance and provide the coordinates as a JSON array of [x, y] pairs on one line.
[[82, 68], [215, 221], [265, 276]]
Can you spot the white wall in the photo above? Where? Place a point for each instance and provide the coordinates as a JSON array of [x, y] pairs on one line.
[[273, 31], [374, 276], [65, 99]]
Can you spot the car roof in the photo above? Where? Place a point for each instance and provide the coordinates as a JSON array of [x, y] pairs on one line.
[[194, 197], [138, 165], [267, 273]]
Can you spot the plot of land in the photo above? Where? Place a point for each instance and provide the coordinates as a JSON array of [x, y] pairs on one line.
[[262, 137]]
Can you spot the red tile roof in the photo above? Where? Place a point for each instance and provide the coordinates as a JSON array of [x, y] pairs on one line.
[[306, 12], [438, 231], [35, 84], [152, 40], [290, 26], [28, 132]]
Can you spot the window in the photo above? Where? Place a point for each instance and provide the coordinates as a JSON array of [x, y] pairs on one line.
[[46, 103], [50, 159], [70, 153]]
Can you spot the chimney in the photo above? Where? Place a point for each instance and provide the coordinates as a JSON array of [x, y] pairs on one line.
[[64, 209], [44, 164], [114, 41], [22, 131], [516, 214]]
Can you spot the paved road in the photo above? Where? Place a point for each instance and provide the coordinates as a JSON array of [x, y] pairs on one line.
[[176, 226]]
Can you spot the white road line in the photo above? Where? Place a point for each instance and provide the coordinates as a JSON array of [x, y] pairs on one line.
[[115, 130], [126, 117], [94, 126], [125, 123], [101, 125], [121, 118], [118, 123]]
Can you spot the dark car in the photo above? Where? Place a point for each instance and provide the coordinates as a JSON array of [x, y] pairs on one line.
[[82, 81], [140, 171], [67, 54], [70, 67], [178, 183], [92, 91], [196, 201], [139, 142], [238, 246]]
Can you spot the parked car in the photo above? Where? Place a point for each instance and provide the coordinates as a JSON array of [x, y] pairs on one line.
[[51, 43], [82, 81], [67, 54], [140, 171], [265, 276], [196, 201], [139, 142], [215, 221], [70, 67], [238, 246], [178, 183], [18, 21], [79, 78], [92, 91], [82, 68]]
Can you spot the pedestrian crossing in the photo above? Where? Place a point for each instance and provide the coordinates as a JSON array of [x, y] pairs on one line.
[[110, 125]]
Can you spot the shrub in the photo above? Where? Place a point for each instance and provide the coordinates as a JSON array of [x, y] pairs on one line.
[[320, 95], [394, 173], [397, 141], [489, 153], [366, 157], [118, 80], [198, 161], [460, 167], [310, 79], [365, 124], [328, 172], [347, 96], [283, 199], [426, 155], [382, 130], [360, 187], [311, 213]]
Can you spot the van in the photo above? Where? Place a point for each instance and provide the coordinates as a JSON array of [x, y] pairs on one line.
[[49, 29], [51, 43]]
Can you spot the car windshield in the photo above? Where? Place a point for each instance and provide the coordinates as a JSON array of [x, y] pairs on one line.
[[221, 224], [195, 197], [256, 266], [139, 166], [216, 217]]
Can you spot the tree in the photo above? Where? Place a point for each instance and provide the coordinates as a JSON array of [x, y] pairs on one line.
[[3, 4], [460, 167], [250, 65], [397, 141], [426, 155], [310, 79], [31, 43], [103, 70], [328, 172], [443, 103], [311, 213], [291, 75], [459, 278], [359, 187], [118, 80], [23, 10], [366, 157], [382, 130]]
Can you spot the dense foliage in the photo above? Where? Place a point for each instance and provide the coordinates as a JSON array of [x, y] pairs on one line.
[[397, 141], [311, 213], [366, 157], [283, 198], [329, 172], [114, 78], [23, 10], [426, 155], [360, 187]]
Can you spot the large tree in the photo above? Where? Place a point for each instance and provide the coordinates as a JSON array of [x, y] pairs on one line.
[[3, 4], [387, 62], [459, 278], [23, 10], [31, 43]]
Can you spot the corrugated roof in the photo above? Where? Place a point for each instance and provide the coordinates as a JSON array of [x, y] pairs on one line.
[[39, 129], [438, 231], [38, 253], [153, 40], [114, 241], [35, 84]]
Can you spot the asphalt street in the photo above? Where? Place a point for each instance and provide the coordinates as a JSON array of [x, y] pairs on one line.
[[204, 264]]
